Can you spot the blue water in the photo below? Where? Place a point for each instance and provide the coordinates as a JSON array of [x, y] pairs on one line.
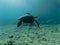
[[48, 11]]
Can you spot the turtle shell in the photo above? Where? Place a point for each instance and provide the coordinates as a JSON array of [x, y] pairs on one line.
[[27, 19]]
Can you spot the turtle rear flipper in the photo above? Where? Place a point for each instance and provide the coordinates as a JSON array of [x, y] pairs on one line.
[[37, 23], [19, 23]]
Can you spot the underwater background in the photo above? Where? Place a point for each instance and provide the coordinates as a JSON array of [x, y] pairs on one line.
[[48, 13]]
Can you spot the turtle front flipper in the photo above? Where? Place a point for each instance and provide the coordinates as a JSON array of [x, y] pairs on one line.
[[19, 23], [37, 23]]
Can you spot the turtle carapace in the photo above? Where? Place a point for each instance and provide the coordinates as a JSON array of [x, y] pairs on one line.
[[27, 19]]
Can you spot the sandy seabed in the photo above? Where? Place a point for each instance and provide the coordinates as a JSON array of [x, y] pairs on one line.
[[30, 35]]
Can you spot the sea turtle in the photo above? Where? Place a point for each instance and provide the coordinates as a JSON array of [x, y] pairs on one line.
[[27, 19]]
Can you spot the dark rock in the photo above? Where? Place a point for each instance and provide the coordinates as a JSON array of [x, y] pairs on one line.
[[52, 31], [26, 44], [44, 39], [11, 36], [31, 42], [56, 30], [36, 33], [28, 35], [10, 42]]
